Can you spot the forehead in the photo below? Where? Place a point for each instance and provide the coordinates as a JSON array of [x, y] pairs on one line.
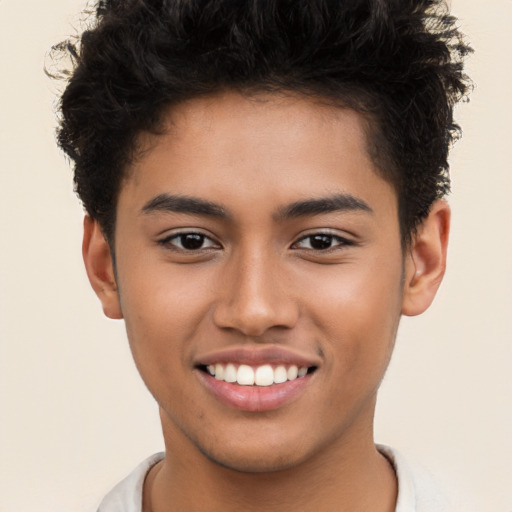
[[273, 109], [231, 147]]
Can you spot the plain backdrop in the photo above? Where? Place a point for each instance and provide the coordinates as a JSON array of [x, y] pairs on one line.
[[74, 414]]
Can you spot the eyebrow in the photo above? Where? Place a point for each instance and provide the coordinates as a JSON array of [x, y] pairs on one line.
[[184, 204], [334, 203], [195, 206]]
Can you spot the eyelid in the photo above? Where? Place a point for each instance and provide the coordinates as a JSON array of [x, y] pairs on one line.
[[169, 236], [344, 241]]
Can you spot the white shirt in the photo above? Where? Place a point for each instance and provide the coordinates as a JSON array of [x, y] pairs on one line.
[[417, 491]]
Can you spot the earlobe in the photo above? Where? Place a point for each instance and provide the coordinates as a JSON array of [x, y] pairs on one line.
[[425, 261], [100, 268]]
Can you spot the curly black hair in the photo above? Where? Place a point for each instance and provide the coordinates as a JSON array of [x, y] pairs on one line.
[[398, 62]]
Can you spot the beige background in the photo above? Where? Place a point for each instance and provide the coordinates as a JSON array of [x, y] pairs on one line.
[[74, 416]]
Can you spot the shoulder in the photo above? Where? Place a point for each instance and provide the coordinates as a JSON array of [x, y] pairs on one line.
[[418, 490], [126, 496]]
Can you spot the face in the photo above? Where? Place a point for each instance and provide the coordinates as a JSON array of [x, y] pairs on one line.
[[260, 274]]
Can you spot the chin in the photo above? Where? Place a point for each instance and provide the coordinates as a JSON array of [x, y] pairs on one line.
[[256, 459], [249, 463]]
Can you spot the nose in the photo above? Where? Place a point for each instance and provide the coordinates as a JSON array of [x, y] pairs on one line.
[[255, 296]]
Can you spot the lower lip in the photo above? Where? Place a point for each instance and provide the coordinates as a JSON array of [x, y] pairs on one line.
[[255, 398]]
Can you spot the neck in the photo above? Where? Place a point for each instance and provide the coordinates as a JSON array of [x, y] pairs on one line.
[[347, 476]]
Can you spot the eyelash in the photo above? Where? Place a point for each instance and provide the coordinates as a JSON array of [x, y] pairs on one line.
[[168, 241], [339, 241]]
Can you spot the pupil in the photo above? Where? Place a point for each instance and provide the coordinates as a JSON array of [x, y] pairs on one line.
[[192, 241], [321, 241]]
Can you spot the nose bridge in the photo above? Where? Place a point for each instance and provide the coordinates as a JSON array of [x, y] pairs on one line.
[[255, 297]]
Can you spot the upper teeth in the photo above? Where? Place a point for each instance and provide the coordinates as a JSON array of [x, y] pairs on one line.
[[264, 375]]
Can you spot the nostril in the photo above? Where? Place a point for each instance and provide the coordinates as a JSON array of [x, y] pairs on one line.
[[255, 320]]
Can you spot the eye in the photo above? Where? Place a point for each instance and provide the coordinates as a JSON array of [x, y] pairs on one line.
[[321, 242], [189, 241]]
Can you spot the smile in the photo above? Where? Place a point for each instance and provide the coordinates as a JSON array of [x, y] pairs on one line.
[[264, 375], [257, 379]]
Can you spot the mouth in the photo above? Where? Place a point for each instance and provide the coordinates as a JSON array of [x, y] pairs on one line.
[[257, 379], [257, 376]]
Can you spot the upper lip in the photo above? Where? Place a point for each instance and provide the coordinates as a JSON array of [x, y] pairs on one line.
[[257, 356]]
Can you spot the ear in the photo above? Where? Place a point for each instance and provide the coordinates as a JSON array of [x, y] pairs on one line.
[[100, 268], [425, 261]]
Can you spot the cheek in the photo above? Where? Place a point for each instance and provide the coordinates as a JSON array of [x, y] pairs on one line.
[[359, 312], [163, 307], [368, 295]]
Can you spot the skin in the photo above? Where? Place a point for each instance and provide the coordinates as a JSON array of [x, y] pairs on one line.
[[256, 282]]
